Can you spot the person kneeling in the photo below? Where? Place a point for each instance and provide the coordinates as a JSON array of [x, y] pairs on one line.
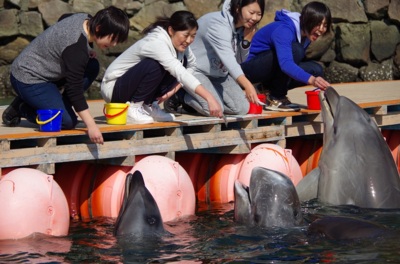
[[154, 69]]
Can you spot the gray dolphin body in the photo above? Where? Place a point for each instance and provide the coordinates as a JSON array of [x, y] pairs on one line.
[[346, 228], [356, 166], [139, 214], [270, 200]]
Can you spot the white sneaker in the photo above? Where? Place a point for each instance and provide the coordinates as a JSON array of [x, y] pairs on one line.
[[137, 114], [157, 113]]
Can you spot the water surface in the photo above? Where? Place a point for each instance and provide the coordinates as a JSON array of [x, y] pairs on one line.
[[211, 236]]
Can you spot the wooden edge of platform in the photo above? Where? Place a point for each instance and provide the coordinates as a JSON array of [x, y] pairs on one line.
[[197, 120], [382, 103]]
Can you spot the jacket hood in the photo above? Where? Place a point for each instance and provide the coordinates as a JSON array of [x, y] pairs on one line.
[[225, 12], [292, 18], [160, 33]]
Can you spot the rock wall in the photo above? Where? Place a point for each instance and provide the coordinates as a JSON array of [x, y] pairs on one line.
[[363, 46]]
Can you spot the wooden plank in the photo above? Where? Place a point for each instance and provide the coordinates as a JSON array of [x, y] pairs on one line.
[[49, 168], [379, 92], [25, 145], [304, 129], [123, 148], [387, 120], [5, 145]]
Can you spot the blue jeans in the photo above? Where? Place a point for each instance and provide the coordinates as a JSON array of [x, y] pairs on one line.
[[265, 69], [47, 95]]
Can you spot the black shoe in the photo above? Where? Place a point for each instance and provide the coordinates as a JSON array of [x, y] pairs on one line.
[[280, 104], [175, 101], [11, 116], [172, 104], [28, 112]]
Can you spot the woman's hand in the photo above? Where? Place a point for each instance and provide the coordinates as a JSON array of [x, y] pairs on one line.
[[93, 130], [214, 107], [95, 135], [251, 95], [250, 91], [319, 82]]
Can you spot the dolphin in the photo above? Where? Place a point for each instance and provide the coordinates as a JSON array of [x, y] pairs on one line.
[[356, 166], [347, 228], [139, 214], [270, 200]]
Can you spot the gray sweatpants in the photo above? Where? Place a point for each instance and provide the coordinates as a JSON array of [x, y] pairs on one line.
[[226, 90]]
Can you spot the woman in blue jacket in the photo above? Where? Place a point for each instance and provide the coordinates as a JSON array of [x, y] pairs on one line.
[[277, 54]]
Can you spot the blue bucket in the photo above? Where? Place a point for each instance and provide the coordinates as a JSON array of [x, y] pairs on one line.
[[49, 120]]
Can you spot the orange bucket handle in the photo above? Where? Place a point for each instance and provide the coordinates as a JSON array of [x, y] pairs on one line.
[[115, 115]]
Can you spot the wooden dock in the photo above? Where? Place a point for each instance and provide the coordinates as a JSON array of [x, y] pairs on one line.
[[25, 145]]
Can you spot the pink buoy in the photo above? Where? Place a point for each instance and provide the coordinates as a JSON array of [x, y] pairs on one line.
[[220, 186], [107, 193], [273, 157], [70, 176], [170, 186], [31, 201]]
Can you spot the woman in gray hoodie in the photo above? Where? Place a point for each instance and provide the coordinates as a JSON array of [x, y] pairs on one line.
[[219, 50]]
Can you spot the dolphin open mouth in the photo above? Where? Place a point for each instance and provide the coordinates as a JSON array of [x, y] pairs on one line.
[[328, 100], [324, 103]]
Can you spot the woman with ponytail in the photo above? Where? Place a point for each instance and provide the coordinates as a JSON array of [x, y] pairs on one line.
[[155, 68]]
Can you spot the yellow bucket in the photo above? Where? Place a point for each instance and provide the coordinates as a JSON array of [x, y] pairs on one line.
[[116, 113]]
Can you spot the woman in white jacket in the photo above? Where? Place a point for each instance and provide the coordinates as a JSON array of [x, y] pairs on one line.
[[156, 67]]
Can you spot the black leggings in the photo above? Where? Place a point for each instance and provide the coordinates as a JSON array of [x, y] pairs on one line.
[[145, 81]]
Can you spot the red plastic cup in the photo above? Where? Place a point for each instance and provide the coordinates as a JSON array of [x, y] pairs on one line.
[[313, 100], [255, 108]]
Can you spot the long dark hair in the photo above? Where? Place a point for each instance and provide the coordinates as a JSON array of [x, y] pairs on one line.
[[312, 15], [179, 21], [237, 5], [110, 21]]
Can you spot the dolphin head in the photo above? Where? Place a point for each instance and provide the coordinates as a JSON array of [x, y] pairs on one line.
[[356, 166], [139, 214], [341, 115], [270, 200], [345, 228]]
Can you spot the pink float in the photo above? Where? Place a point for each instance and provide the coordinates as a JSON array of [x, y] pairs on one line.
[[392, 138], [170, 186], [93, 190], [306, 151], [220, 187], [273, 157], [31, 201], [106, 192], [213, 175], [70, 177], [191, 163]]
